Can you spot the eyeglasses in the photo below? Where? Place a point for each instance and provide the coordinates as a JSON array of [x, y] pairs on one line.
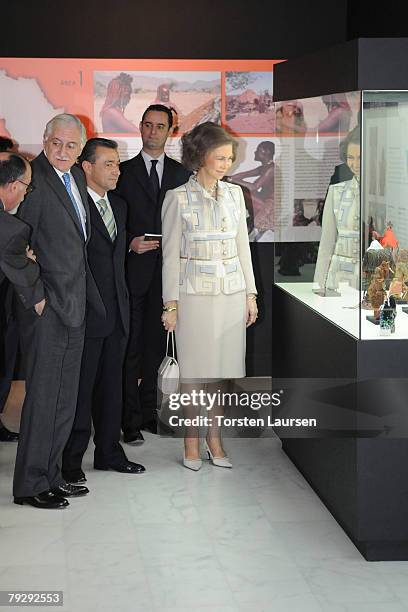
[[29, 186]]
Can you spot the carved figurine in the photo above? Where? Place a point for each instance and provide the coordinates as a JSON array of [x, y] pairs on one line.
[[373, 258], [399, 285], [388, 312], [376, 290], [388, 239]]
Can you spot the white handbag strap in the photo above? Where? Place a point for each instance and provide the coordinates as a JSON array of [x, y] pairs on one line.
[[172, 345]]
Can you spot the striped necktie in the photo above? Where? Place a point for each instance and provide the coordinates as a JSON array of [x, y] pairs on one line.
[[67, 183], [107, 217]]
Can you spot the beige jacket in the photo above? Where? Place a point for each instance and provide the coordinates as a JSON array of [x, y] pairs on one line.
[[338, 259], [205, 242]]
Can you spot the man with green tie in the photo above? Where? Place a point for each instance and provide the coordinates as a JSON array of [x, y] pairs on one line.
[[100, 385]]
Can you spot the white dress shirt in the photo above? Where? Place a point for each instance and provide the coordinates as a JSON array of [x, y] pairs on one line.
[[159, 166]]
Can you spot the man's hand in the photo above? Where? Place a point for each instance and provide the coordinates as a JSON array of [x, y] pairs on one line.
[[30, 254], [139, 245], [39, 307]]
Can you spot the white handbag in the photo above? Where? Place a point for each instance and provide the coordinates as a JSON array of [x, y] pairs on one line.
[[169, 374]]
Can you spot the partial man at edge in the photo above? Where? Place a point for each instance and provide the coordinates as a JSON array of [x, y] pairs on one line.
[[17, 264]]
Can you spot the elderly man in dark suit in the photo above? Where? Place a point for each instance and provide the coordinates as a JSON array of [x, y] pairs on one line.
[[143, 183], [58, 214], [100, 386], [17, 264]]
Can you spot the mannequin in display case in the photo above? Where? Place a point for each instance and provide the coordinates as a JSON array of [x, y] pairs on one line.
[[338, 257]]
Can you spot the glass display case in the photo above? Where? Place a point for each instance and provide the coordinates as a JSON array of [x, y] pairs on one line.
[[341, 209]]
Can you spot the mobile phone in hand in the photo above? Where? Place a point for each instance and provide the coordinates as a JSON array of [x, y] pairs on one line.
[[150, 237]]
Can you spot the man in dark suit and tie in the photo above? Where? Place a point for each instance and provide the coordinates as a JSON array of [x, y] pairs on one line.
[[143, 183], [100, 384], [8, 339], [17, 264], [58, 214]]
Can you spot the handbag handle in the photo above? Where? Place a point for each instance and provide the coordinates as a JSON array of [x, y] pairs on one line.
[[170, 333]]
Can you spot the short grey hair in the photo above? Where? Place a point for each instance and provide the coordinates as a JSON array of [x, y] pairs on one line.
[[67, 119]]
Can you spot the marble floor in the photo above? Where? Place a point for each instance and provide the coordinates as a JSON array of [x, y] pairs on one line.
[[251, 539]]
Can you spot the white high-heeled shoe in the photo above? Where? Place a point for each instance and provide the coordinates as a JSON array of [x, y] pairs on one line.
[[218, 461], [192, 464]]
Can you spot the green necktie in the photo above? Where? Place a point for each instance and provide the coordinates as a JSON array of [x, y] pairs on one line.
[[108, 218]]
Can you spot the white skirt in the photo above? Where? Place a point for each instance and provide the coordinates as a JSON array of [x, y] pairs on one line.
[[211, 336]]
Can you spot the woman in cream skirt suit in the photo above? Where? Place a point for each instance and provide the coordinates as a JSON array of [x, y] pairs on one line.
[[209, 291]]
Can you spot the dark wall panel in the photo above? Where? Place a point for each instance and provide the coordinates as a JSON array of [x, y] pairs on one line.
[[364, 63], [373, 19], [169, 29]]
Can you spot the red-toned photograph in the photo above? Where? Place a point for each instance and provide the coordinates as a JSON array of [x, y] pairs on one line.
[[249, 105]]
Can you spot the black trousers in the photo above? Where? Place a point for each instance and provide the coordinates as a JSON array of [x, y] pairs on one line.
[[53, 360], [146, 348], [100, 400]]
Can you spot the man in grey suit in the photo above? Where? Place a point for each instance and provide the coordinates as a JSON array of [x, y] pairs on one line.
[[58, 214], [17, 264]]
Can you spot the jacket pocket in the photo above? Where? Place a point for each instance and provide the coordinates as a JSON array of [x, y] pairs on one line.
[[233, 281], [199, 278]]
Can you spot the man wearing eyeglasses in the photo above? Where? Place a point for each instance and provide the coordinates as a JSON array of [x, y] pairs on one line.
[[17, 261], [17, 264], [52, 341]]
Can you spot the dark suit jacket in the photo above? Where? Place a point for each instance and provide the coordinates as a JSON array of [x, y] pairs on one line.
[[14, 263], [58, 242], [107, 262], [144, 214], [17, 268]]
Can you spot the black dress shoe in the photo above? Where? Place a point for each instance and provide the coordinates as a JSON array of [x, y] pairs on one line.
[[77, 477], [133, 438], [47, 500], [126, 467], [7, 436], [70, 490]]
